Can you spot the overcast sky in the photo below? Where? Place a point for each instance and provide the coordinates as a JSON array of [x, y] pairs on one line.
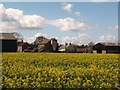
[[75, 22]]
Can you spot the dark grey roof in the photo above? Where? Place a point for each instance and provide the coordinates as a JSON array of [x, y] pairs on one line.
[[110, 44], [7, 36]]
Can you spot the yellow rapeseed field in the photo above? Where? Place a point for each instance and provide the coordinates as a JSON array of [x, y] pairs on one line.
[[59, 70]]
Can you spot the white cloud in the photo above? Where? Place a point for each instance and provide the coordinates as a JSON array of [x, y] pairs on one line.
[[31, 21], [80, 39], [68, 24], [15, 19], [77, 13], [108, 38], [12, 14], [67, 7], [85, 39], [32, 39], [7, 25], [114, 27]]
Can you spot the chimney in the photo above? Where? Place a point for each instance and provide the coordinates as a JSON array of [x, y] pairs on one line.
[[54, 43]]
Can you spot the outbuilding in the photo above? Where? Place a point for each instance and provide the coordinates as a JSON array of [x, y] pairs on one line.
[[8, 42], [106, 48]]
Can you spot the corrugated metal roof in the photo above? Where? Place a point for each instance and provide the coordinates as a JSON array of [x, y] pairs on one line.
[[7, 36], [110, 44]]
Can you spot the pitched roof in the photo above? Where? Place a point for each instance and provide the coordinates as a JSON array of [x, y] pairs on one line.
[[62, 47], [110, 44], [45, 41], [7, 36]]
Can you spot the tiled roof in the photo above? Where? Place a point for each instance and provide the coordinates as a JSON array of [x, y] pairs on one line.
[[45, 41], [7, 36]]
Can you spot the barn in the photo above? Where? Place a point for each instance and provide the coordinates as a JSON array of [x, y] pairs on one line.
[[106, 48], [81, 49], [48, 45], [9, 42]]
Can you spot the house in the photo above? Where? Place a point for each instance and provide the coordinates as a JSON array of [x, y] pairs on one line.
[[81, 49], [9, 42], [62, 48], [48, 45], [67, 48], [70, 48], [106, 48]]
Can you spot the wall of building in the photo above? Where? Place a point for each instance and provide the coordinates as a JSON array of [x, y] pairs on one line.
[[103, 51], [94, 51], [113, 49], [70, 49], [9, 45], [40, 48], [19, 49], [45, 47], [48, 47]]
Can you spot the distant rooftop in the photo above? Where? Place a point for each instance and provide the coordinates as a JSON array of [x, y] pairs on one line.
[[45, 41], [110, 44]]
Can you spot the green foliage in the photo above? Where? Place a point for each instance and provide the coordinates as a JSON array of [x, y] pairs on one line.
[[59, 70]]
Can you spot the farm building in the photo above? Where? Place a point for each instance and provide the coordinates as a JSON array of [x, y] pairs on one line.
[[9, 43], [67, 48], [106, 48], [62, 48], [70, 48], [48, 45], [81, 49]]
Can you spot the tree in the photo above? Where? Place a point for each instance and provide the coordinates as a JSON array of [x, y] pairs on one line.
[[90, 47], [18, 36], [38, 40], [91, 44]]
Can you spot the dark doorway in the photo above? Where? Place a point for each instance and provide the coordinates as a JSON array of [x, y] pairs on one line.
[[99, 51]]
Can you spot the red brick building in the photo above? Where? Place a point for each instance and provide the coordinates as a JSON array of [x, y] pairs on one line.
[[48, 45]]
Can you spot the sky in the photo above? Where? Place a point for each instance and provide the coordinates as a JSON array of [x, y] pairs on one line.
[[71, 22]]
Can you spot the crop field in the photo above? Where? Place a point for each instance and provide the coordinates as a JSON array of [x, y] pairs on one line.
[[59, 70]]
